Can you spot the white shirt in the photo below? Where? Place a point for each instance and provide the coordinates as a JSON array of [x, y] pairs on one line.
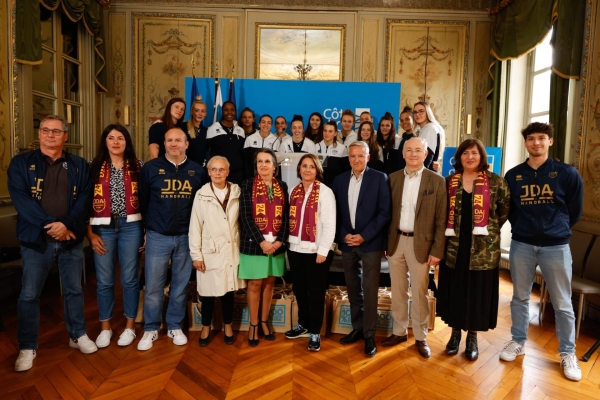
[[338, 151], [307, 147], [256, 141], [220, 193], [217, 129], [282, 144], [353, 193], [348, 140], [410, 195]]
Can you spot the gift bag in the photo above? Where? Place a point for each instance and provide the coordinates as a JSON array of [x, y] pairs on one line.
[[280, 316], [342, 316]]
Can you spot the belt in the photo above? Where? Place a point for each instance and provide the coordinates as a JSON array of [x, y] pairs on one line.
[[409, 234]]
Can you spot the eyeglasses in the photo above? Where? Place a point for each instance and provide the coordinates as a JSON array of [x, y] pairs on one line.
[[418, 111], [218, 170], [416, 151], [54, 132]]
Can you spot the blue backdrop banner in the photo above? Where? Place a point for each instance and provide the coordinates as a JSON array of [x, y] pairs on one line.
[[494, 160], [287, 98]]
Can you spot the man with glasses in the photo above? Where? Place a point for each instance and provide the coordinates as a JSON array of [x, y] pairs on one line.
[[50, 189], [415, 242]]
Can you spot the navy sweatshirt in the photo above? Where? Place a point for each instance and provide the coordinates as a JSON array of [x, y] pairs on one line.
[[545, 203]]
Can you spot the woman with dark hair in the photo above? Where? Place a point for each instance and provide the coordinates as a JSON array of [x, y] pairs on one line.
[[226, 139], [366, 133], [389, 141], [334, 150], [282, 139], [312, 232], [264, 210], [196, 132], [479, 203], [171, 118], [248, 121], [116, 227], [299, 143], [407, 123], [429, 129], [315, 127]]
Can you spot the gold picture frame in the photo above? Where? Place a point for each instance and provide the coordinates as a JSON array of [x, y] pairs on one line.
[[282, 47], [429, 58]]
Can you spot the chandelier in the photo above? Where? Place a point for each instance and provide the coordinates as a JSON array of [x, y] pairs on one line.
[[304, 68]]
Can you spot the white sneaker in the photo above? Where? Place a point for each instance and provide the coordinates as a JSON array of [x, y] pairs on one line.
[[103, 339], [570, 367], [511, 350], [147, 339], [25, 360], [84, 344], [126, 337], [178, 336]]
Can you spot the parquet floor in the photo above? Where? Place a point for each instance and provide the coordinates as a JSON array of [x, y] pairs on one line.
[[285, 369]]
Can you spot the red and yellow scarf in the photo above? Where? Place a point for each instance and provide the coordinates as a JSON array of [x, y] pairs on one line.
[[308, 231], [267, 213], [481, 204], [101, 212]]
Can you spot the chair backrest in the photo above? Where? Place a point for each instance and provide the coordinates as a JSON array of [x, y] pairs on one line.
[[592, 264], [580, 243]]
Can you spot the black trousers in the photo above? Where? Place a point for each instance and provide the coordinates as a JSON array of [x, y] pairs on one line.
[[309, 283], [208, 307], [362, 282]]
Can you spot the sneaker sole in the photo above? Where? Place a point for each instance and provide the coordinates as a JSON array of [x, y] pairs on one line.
[[298, 337], [314, 349], [101, 347], [84, 351], [512, 359], [124, 344], [22, 369], [144, 348]]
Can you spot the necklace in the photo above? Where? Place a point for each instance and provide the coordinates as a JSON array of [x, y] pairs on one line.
[[119, 163]]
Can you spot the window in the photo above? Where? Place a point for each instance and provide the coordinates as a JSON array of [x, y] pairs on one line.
[[540, 61], [55, 84]]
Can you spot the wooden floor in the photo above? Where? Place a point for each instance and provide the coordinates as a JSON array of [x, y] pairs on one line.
[[285, 369]]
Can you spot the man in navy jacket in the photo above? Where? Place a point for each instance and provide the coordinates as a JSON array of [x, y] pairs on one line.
[[364, 211], [51, 191], [546, 201]]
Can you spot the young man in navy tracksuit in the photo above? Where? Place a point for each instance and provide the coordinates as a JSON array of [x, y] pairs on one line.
[[168, 185], [546, 201]]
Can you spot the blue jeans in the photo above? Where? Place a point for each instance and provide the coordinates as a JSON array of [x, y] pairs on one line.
[[125, 238], [36, 266], [159, 250], [556, 265]]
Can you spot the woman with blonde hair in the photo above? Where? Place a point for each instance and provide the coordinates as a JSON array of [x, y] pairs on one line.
[[196, 132]]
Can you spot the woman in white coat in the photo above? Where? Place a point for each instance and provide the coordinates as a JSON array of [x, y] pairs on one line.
[[312, 232], [215, 245]]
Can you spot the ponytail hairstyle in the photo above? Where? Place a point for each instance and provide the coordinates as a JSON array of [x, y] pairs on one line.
[[320, 137], [390, 142], [408, 110]]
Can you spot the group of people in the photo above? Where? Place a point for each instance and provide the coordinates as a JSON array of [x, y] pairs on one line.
[[236, 232]]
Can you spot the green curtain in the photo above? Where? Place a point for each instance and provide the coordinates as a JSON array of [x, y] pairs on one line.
[[28, 30]]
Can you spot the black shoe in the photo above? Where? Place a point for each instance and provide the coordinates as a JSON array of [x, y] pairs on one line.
[[204, 342], [229, 339], [472, 352], [297, 332], [393, 340], [252, 332], [314, 344], [370, 347], [352, 337], [454, 342], [423, 348], [270, 335]]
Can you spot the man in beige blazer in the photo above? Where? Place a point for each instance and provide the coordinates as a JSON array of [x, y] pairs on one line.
[[416, 240]]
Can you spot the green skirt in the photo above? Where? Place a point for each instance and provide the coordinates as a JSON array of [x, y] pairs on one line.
[[260, 267]]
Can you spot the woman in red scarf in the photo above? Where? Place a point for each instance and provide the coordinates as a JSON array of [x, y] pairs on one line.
[[312, 231], [478, 203], [264, 217], [116, 227]]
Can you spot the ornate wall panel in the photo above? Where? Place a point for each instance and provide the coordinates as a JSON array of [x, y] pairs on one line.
[[231, 39], [369, 44], [480, 107], [430, 58], [5, 102], [116, 66], [163, 46]]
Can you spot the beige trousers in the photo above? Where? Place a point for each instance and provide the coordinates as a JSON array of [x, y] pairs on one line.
[[405, 269]]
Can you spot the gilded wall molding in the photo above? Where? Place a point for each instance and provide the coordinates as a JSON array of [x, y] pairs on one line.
[[231, 37], [480, 106], [369, 47], [117, 27]]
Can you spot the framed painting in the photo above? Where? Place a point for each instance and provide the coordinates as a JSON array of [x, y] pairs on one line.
[[165, 49], [430, 58], [305, 52]]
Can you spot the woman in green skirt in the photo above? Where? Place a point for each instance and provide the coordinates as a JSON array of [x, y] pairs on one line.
[[264, 218]]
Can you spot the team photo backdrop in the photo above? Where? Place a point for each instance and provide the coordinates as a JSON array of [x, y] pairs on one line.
[[286, 98]]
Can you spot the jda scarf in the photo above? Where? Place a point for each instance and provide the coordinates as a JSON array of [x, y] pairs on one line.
[[101, 213], [481, 204], [267, 212], [308, 231]]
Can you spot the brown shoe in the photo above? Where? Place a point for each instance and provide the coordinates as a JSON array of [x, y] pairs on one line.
[[423, 348], [393, 340]]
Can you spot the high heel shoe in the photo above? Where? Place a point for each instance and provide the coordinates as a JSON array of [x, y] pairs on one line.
[[270, 335], [454, 342], [253, 342], [472, 352]]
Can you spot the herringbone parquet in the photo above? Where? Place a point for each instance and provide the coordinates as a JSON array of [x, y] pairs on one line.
[[285, 369]]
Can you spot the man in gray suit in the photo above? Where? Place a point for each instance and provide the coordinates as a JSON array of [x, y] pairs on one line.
[[416, 241]]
